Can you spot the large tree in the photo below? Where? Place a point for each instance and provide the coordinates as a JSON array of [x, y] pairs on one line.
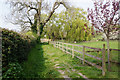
[[104, 17], [53, 28], [28, 13], [69, 25], [75, 25]]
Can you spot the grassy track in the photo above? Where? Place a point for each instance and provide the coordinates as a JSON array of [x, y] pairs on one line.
[[45, 61]]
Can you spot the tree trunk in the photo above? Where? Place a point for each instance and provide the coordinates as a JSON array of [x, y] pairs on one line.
[[108, 53], [38, 30], [38, 21]]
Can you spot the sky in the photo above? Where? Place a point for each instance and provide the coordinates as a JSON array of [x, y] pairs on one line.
[[5, 10]]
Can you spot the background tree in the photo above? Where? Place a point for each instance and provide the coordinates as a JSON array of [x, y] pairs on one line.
[[53, 28], [69, 25], [104, 17], [74, 27], [30, 13]]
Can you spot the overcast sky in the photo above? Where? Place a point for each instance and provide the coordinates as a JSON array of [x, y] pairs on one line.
[[5, 9]]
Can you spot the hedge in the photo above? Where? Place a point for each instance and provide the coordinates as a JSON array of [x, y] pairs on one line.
[[15, 47]]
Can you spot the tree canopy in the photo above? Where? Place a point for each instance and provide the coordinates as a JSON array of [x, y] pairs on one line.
[[69, 25], [30, 14]]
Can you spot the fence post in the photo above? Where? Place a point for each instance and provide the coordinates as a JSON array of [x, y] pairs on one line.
[[62, 46], [110, 55], [57, 44], [83, 55], [97, 53], [72, 51], [54, 44], [103, 61], [66, 48]]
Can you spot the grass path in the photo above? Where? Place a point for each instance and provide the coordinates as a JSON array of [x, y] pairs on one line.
[[45, 61]]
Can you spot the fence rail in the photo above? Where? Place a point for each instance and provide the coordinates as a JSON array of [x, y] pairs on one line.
[[114, 49], [98, 49], [64, 47]]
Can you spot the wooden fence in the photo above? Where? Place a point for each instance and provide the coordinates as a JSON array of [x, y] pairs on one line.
[[110, 59], [64, 47]]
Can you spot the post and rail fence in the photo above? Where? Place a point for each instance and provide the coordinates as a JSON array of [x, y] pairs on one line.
[[64, 47]]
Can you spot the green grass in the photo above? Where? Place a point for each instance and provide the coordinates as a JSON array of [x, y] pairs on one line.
[[30, 33], [97, 37], [38, 65], [43, 58], [98, 44]]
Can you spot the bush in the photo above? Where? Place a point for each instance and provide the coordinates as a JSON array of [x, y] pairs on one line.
[[14, 71], [15, 48]]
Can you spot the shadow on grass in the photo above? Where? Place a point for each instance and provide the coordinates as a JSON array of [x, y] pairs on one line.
[[38, 65], [35, 64]]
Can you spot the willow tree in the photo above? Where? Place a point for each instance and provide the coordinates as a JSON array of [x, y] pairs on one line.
[[53, 28], [74, 25], [69, 25], [26, 12]]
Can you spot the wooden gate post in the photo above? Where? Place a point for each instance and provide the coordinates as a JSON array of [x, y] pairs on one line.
[[83, 55], [72, 51], [103, 61]]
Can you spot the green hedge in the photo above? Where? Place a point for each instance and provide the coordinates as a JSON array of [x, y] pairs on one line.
[[15, 48]]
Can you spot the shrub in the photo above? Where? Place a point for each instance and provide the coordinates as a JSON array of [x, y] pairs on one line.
[[15, 48], [14, 71]]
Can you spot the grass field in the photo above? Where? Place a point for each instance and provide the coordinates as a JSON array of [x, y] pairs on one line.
[[99, 44], [45, 61]]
